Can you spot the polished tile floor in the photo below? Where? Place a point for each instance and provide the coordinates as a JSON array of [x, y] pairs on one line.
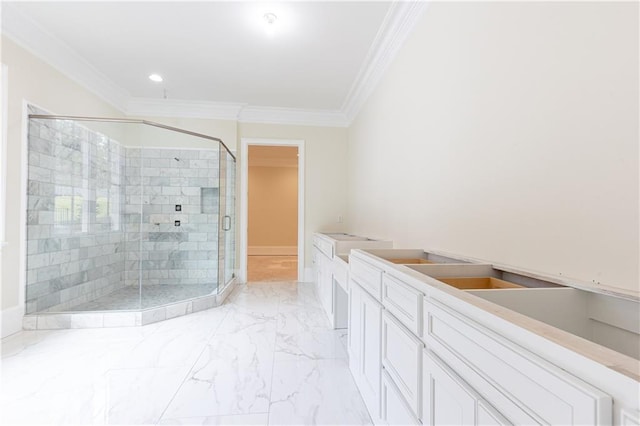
[[272, 268], [266, 356]]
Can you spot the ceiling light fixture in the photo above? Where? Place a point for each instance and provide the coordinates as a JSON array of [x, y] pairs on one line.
[[157, 78], [270, 18]]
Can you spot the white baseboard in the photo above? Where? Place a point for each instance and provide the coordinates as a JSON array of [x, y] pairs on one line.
[[11, 321], [272, 251]]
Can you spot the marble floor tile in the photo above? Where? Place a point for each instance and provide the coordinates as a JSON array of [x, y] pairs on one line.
[[176, 342], [242, 320], [266, 355], [303, 295], [261, 419], [301, 319], [232, 376], [313, 344], [140, 395], [315, 392]]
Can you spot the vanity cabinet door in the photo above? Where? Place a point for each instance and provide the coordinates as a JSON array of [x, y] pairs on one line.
[[355, 329], [394, 409], [402, 359], [489, 416], [326, 287], [445, 401], [370, 348], [449, 400]]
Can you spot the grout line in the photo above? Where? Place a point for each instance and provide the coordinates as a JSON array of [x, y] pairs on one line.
[[196, 359], [273, 362]]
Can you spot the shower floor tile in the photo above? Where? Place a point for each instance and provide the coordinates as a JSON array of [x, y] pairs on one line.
[[131, 297], [209, 367]]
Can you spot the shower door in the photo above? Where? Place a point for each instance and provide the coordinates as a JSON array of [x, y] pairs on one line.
[[226, 242]]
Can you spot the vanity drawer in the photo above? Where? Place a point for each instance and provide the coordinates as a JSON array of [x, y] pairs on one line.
[[368, 276], [402, 359], [395, 410], [404, 302], [518, 383], [324, 246]]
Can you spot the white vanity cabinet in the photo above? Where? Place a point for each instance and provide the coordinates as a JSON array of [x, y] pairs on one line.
[[426, 352], [330, 259], [504, 372], [394, 408], [402, 359], [449, 400], [365, 325]]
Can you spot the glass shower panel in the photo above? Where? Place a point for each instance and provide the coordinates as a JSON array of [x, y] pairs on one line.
[[227, 246], [76, 223], [125, 215], [180, 210]]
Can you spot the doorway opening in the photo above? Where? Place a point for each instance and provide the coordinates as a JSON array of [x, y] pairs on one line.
[[271, 248]]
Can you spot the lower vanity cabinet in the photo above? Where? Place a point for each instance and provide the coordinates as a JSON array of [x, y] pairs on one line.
[[449, 400], [365, 323], [394, 408], [525, 388], [370, 364], [325, 284], [354, 324], [402, 359]]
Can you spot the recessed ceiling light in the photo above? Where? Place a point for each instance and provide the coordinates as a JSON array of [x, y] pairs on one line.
[[270, 18], [156, 78]]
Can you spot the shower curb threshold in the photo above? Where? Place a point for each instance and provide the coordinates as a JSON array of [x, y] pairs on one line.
[[130, 318]]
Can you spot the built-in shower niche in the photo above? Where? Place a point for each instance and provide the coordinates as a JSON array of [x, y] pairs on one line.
[[117, 227], [209, 199]]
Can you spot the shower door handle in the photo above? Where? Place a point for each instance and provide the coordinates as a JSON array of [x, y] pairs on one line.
[[226, 223]]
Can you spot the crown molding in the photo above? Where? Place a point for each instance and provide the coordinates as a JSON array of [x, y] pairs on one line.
[[396, 27], [292, 116], [31, 36], [182, 108]]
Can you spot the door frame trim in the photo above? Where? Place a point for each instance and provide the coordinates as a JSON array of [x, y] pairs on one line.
[[244, 195]]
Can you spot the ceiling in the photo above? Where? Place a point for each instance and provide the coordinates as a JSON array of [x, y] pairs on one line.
[[317, 56]]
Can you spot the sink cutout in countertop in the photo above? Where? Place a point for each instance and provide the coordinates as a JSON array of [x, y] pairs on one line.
[[411, 261], [478, 283]]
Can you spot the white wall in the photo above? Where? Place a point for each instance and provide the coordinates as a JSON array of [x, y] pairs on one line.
[[508, 131], [325, 173]]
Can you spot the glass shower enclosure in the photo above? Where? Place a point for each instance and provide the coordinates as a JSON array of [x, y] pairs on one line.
[[126, 215]]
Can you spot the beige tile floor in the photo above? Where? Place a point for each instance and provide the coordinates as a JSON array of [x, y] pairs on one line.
[[272, 268]]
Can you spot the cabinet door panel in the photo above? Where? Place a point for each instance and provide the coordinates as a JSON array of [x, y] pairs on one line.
[[401, 357], [370, 366], [446, 400], [395, 410], [488, 416], [355, 329], [523, 386]]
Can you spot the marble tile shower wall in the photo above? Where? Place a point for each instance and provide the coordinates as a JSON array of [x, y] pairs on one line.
[[175, 238], [74, 237]]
